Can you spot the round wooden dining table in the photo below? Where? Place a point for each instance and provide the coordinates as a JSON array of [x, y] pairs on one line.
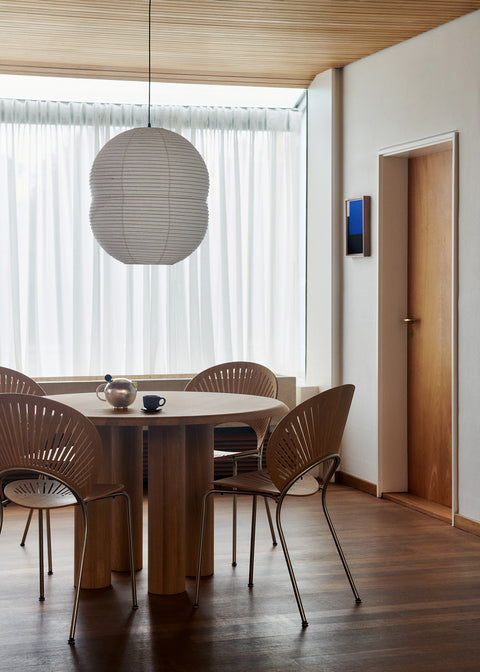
[[180, 470]]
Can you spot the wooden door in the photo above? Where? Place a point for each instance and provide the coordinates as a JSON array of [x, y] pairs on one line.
[[429, 337]]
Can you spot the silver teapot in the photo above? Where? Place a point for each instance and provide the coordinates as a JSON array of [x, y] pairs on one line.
[[119, 392]]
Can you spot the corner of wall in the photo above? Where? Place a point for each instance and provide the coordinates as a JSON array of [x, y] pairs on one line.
[[324, 133]]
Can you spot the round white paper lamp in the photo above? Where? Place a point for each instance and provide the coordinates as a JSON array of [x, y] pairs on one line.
[[149, 197]]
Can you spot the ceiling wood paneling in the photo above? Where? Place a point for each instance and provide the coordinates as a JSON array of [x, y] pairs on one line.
[[248, 42]]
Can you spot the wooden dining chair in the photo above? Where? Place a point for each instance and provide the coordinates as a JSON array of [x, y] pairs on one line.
[[15, 382], [305, 438], [48, 457], [240, 378]]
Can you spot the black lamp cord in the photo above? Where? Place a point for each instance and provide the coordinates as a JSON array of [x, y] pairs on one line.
[[149, 56]]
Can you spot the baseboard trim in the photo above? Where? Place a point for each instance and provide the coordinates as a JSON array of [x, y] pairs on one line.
[[467, 524], [421, 505], [461, 522], [354, 482]]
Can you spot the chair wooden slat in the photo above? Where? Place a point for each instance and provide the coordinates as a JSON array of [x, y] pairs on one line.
[[312, 431], [239, 378], [14, 381], [51, 437]]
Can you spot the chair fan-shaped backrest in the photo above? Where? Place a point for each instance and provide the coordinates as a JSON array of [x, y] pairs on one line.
[[14, 381], [45, 435], [313, 430], [239, 378]]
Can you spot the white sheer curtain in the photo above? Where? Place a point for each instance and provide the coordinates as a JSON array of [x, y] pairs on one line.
[[67, 308]]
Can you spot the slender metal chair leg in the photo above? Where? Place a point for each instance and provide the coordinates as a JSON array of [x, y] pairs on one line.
[[252, 540], [49, 542], [27, 526], [234, 522], [40, 555], [71, 639], [267, 508], [290, 567], [339, 548], [200, 546], [270, 522], [130, 548]]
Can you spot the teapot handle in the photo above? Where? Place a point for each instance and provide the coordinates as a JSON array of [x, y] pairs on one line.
[[101, 388]]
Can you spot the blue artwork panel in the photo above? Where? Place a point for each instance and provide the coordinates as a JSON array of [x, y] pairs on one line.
[[355, 227]]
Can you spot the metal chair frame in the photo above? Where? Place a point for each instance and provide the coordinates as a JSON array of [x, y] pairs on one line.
[[51, 456], [279, 487]]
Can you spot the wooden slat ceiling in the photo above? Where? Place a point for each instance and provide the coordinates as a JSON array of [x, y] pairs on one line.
[[245, 42]]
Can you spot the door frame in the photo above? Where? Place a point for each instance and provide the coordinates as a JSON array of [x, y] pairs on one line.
[[392, 307]]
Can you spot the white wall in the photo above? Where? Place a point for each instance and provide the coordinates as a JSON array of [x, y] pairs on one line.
[[423, 87]]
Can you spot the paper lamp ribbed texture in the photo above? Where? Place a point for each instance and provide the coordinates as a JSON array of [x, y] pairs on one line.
[[149, 197]]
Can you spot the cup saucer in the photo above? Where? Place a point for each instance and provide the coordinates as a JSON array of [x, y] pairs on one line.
[[151, 410]]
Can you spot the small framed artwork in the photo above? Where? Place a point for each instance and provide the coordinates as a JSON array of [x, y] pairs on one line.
[[357, 225]]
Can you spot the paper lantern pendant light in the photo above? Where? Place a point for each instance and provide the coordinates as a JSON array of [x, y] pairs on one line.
[[149, 197], [149, 193]]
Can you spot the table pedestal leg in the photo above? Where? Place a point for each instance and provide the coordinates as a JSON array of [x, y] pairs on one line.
[[127, 450], [97, 569], [166, 510], [199, 476]]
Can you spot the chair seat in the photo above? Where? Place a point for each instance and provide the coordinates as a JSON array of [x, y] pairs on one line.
[[306, 485], [259, 481], [43, 493], [232, 454], [39, 493]]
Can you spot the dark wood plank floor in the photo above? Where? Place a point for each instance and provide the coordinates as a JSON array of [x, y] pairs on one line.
[[418, 577]]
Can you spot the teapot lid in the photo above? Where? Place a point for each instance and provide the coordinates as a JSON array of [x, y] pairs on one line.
[[108, 378]]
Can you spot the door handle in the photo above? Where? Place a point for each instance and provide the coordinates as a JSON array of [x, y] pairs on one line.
[[409, 320]]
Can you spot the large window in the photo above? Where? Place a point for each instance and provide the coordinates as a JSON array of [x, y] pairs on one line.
[[67, 308]]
